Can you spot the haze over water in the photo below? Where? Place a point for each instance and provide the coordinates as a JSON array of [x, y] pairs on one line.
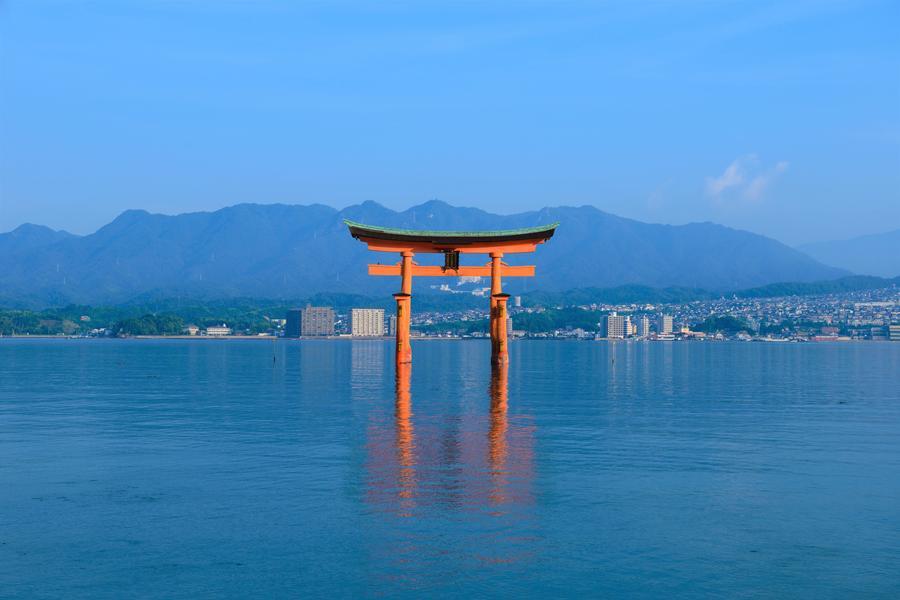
[[168, 469]]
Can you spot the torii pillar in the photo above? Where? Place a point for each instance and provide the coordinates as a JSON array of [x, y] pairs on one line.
[[498, 313], [404, 309]]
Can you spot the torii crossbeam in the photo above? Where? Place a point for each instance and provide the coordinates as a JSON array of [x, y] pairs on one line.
[[451, 244]]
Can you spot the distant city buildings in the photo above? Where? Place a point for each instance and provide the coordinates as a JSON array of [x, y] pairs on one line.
[[367, 322], [517, 301], [317, 321], [834, 317], [867, 314]]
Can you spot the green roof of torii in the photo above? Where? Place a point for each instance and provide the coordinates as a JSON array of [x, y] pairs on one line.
[[361, 229]]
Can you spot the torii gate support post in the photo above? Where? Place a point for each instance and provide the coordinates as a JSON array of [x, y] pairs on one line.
[[500, 354], [404, 309], [496, 289]]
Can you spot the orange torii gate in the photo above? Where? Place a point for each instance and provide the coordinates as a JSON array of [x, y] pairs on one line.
[[451, 244]]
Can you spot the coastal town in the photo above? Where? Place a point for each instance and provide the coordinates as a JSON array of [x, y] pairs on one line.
[[856, 315]]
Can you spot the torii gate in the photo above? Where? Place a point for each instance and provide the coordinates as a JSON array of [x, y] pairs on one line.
[[451, 244]]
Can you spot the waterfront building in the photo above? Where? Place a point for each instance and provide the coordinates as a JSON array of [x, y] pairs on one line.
[[218, 330], [367, 322], [317, 320], [191, 330], [643, 324], [392, 325], [894, 333], [292, 323], [665, 326], [617, 326], [875, 333]]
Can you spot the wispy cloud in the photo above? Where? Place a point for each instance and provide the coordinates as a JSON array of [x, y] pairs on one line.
[[758, 184], [732, 177], [746, 177]]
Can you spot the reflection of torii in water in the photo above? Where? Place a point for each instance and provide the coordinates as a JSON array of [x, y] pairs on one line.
[[497, 442], [410, 473], [451, 244], [405, 439]]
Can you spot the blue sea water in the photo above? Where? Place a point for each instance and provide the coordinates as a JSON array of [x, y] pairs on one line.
[[191, 469]]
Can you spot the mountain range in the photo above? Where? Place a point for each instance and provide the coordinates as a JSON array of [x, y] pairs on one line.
[[877, 254], [293, 251]]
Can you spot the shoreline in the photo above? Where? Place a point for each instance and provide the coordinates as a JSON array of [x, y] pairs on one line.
[[338, 338]]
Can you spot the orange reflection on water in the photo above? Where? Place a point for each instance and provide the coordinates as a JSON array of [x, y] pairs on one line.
[[456, 460], [449, 461], [497, 442], [405, 439]]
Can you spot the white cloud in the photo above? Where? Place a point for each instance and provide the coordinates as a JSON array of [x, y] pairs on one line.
[[744, 178], [758, 185], [733, 176]]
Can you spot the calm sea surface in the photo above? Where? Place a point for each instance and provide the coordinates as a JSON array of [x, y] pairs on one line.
[[186, 469]]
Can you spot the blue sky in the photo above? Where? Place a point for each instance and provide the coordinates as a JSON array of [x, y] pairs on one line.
[[778, 117]]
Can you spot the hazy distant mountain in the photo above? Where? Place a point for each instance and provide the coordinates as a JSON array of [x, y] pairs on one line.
[[282, 251], [877, 254], [27, 237]]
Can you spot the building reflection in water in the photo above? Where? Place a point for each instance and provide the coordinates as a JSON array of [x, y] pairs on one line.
[[421, 462]]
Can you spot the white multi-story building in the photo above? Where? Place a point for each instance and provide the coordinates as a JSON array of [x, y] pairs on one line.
[[665, 325], [617, 326], [216, 330], [643, 324], [367, 322], [392, 325]]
